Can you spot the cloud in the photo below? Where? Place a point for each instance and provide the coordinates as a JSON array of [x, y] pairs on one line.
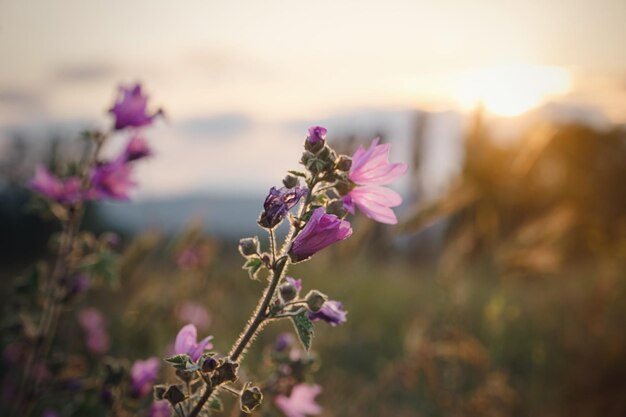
[[85, 72], [21, 99], [216, 127]]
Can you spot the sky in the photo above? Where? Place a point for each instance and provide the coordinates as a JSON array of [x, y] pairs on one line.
[[241, 80]]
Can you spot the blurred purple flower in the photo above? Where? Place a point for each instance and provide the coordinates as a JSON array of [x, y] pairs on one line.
[[320, 231], [297, 283], [66, 191], [332, 312], [49, 413], [93, 324], [78, 285], [193, 313], [301, 402], [112, 180], [283, 341], [160, 408], [316, 134], [130, 108], [186, 342], [278, 202], [369, 171], [142, 374], [189, 259], [136, 148]]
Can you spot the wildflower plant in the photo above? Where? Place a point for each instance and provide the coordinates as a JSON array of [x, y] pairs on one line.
[[81, 260], [315, 202]]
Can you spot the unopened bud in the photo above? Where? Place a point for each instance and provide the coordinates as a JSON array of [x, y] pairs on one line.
[[288, 292], [343, 187], [337, 208], [227, 372], [343, 163], [251, 398], [315, 300], [290, 181], [159, 392], [249, 246], [174, 395], [209, 364]]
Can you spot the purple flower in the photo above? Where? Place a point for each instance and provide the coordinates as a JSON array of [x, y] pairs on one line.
[[186, 342], [301, 402], [195, 314], [320, 231], [130, 110], [112, 180], [136, 148], [316, 134], [369, 171], [297, 283], [94, 326], [332, 312], [277, 203], [67, 191], [283, 341], [142, 375], [160, 408], [79, 285]]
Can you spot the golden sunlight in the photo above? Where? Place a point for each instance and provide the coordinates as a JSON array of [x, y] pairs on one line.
[[510, 90]]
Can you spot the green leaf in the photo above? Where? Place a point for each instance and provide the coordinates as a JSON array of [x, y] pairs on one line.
[[215, 404], [304, 328], [182, 361], [298, 174], [253, 265], [102, 265]]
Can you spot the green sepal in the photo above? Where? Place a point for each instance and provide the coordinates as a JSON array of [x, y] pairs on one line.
[[253, 265]]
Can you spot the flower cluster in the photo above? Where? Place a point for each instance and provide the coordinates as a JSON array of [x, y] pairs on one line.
[[97, 179], [316, 210]]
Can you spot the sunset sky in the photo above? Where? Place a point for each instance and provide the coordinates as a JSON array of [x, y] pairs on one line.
[[240, 79]]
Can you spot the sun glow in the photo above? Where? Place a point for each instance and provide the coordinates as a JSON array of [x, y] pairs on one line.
[[511, 90]]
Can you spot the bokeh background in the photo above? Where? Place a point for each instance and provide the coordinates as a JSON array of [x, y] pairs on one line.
[[502, 290]]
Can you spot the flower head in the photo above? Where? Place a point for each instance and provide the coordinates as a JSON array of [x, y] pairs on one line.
[[187, 342], [112, 180], [193, 313], [160, 408], [142, 374], [136, 148], [301, 402], [321, 230], [65, 191], [332, 312], [94, 326], [277, 203], [369, 171], [130, 108]]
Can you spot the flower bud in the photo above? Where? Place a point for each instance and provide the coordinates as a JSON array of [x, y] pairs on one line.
[[290, 181], [249, 246], [343, 187], [337, 208], [315, 300], [209, 364], [174, 395], [227, 372], [315, 141], [343, 163], [288, 292], [251, 398], [159, 391]]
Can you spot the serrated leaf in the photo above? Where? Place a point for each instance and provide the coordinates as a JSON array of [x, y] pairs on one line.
[[182, 361], [304, 328], [253, 265]]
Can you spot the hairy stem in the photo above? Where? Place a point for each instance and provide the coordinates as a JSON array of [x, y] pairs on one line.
[[205, 397]]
